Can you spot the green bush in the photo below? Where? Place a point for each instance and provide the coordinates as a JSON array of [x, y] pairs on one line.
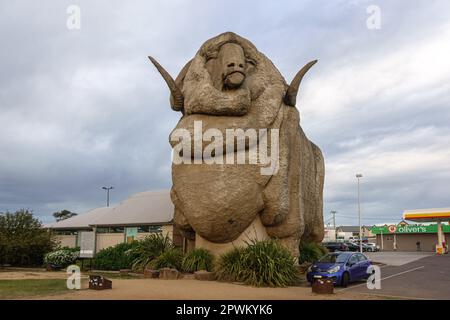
[[198, 259], [322, 249], [170, 258], [150, 248], [120, 256], [62, 257], [261, 263], [311, 252], [23, 241]]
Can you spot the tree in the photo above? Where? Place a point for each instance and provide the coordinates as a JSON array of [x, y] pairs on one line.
[[63, 214], [23, 241]]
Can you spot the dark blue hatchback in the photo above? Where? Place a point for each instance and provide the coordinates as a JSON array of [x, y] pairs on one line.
[[341, 267]]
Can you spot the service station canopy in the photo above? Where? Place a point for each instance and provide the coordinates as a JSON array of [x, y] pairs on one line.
[[411, 228], [427, 215]]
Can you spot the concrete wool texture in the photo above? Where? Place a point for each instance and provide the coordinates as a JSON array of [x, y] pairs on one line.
[[229, 84]]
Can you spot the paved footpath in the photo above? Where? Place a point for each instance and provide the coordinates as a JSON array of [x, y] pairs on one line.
[[425, 278]]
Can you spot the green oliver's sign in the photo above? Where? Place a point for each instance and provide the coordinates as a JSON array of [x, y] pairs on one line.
[[411, 228]]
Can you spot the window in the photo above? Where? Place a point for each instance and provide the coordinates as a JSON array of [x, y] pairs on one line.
[[353, 259], [65, 233], [110, 230], [361, 257], [116, 230], [334, 257], [102, 230], [149, 229], [143, 229]]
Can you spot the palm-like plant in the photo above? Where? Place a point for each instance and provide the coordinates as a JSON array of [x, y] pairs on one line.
[[198, 259], [150, 248], [230, 265], [311, 252], [261, 263], [170, 258]]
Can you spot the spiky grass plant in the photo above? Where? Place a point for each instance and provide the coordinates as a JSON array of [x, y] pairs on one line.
[[311, 251], [229, 265], [149, 248], [198, 259], [170, 258], [261, 263]]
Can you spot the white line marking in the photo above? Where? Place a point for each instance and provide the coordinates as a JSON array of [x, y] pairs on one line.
[[391, 276]]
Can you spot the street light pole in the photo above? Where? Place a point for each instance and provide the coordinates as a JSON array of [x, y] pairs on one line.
[[107, 194], [358, 176], [333, 212]]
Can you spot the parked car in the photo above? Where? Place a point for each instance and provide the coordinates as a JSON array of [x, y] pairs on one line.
[[372, 247], [352, 246], [335, 246], [341, 267]]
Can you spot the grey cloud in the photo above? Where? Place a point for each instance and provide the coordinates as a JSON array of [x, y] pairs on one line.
[[81, 109]]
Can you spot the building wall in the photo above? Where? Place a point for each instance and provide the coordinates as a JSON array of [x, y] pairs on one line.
[[105, 240], [67, 240], [407, 242], [168, 230], [329, 235]]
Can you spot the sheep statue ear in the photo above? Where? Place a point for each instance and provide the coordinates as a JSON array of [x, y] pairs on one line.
[[176, 94], [290, 98]]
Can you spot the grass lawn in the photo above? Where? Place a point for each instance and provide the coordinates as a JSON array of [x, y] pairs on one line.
[[13, 289]]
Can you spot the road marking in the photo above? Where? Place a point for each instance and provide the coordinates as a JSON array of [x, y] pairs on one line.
[[391, 276], [397, 274]]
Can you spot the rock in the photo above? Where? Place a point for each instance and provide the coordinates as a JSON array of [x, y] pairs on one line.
[[124, 272], [230, 85], [188, 276], [169, 274], [149, 273], [204, 275]]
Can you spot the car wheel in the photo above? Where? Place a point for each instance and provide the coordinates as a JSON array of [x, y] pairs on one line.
[[345, 280]]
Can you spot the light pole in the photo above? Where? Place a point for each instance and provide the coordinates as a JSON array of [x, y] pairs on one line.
[[107, 194], [333, 212], [358, 176]]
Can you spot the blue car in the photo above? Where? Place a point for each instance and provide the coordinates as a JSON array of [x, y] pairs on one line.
[[341, 267]]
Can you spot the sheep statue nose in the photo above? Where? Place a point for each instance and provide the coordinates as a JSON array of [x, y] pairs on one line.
[[233, 61]]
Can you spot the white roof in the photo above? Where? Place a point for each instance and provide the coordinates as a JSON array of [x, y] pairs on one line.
[[80, 221], [150, 207]]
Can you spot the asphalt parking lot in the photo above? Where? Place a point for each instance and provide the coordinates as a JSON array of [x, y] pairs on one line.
[[426, 277], [396, 258]]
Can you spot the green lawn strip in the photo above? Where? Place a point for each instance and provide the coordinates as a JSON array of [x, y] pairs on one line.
[[13, 289]]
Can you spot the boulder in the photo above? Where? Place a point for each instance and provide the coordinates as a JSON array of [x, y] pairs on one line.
[[149, 273], [169, 274], [204, 275], [124, 272]]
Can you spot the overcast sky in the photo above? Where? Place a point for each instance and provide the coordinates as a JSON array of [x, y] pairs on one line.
[[82, 109]]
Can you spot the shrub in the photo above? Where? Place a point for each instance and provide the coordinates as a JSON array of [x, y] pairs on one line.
[[170, 258], [311, 252], [62, 257], [229, 266], [323, 250], [198, 259], [23, 241], [120, 256], [150, 248], [261, 263]]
